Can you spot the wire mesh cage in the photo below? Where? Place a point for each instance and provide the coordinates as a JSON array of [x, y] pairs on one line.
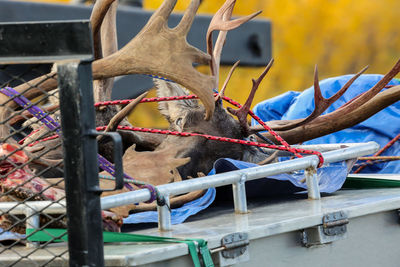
[[31, 165], [36, 155]]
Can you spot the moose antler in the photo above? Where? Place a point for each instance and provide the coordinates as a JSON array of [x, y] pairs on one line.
[[163, 51], [221, 21], [156, 49], [320, 103], [103, 20], [227, 79], [241, 113], [350, 114]]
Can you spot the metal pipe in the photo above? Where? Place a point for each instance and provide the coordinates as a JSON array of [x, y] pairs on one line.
[[312, 183], [33, 221], [234, 176], [164, 216], [317, 147], [209, 181], [239, 195], [351, 152], [37, 206]]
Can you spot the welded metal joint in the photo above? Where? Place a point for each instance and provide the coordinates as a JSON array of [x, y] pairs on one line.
[[239, 195]]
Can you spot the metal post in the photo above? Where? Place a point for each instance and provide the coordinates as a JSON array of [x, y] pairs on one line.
[[85, 239], [164, 216], [33, 221], [312, 183], [239, 195]]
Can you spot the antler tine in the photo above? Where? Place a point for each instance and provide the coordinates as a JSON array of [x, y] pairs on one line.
[[99, 11], [102, 89], [221, 21], [187, 19], [164, 10], [219, 44], [366, 96], [320, 103], [241, 113], [222, 91], [116, 120]]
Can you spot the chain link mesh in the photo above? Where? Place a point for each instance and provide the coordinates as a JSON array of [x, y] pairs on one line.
[[31, 171]]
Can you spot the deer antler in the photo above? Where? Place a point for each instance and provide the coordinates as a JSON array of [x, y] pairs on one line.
[[241, 113], [350, 114], [221, 21]]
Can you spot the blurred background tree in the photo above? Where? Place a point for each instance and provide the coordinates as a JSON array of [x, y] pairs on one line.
[[341, 36]]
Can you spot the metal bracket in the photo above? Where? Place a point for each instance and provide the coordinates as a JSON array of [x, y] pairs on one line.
[[235, 245], [335, 223], [233, 249], [333, 228]]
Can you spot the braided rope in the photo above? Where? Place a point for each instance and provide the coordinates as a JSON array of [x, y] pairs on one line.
[[214, 138], [295, 151], [287, 147]]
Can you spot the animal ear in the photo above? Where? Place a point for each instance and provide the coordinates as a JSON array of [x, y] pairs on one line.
[[176, 109]]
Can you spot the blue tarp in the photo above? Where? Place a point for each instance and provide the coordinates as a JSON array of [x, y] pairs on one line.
[[380, 128]]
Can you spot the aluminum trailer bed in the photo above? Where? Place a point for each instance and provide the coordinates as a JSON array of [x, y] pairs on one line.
[[277, 234], [347, 228]]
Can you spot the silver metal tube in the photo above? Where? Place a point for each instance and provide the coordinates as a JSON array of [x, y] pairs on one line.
[[37, 206], [234, 176], [164, 216], [239, 195], [312, 183], [33, 221], [351, 152], [209, 181], [317, 147]]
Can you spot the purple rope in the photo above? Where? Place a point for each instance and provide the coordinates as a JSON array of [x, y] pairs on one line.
[[55, 126]]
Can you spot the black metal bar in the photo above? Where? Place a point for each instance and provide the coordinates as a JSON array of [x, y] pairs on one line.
[[85, 239], [251, 43], [35, 42]]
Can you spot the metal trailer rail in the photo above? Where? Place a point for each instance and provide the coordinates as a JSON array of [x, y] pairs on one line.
[[236, 178]]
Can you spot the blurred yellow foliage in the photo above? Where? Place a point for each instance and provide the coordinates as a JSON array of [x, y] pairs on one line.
[[49, 1], [341, 36]]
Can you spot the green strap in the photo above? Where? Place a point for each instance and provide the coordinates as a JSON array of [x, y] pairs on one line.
[[60, 235]]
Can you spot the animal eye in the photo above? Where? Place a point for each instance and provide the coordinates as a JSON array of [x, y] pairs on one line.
[[178, 122]]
